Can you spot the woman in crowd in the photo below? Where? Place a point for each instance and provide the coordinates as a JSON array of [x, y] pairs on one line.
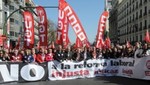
[[49, 55], [16, 56], [28, 58], [41, 56], [33, 53], [6, 56]]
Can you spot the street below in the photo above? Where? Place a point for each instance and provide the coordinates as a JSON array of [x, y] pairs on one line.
[[91, 81]]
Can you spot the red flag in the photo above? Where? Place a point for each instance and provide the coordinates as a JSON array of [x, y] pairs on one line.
[[42, 26], [100, 43], [28, 30], [78, 43], [107, 42], [147, 37], [62, 31], [74, 21], [2, 39], [101, 28]]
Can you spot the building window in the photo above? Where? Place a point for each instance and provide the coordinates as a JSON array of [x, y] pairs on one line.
[[136, 4], [140, 26], [140, 37], [145, 11], [132, 1], [130, 19], [16, 34], [140, 14], [17, 22], [140, 3], [145, 27], [12, 20], [133, 38], [5, 2], [11, 7], [136, 38], [133, 17], [133, 8], [136, 15], [145, 1], [11, 33]]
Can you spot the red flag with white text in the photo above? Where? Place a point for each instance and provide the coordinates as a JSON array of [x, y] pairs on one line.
[[62, 31], [42, 26], [101, 28], [74, 21], [28, 29]]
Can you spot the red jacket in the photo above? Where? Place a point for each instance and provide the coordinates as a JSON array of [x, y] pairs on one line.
[[49, 57], [17, 58], [40, 58]]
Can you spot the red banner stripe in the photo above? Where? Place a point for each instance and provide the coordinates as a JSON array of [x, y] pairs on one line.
[[101, 29], [42, 26], [28, 30]]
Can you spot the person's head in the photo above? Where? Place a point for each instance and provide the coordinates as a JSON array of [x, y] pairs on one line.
[[22, 52], [33, 50], [41, 50], [138, 45], [27, 51], [1, 53], [49, 50], [59, 47], [45, 51], [16, 51], [68, 48]]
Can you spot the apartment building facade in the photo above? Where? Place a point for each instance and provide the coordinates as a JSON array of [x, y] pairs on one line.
[[133, 19], [15, 22]]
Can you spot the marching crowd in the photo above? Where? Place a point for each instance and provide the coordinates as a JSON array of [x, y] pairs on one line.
[[40, 55]]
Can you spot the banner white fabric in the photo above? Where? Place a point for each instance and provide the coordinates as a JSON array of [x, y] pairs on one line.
[[125, 67]]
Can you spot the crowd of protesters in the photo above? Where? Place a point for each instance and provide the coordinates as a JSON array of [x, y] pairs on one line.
[[40, 55]]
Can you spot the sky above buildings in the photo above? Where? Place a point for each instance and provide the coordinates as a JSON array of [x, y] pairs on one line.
[[88, 12]]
